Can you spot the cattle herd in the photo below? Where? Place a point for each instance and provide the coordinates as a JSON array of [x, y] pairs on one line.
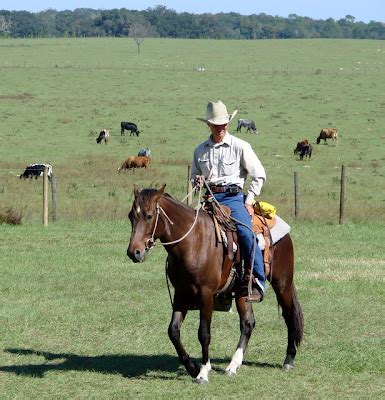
[[142, 160], [303, 148]]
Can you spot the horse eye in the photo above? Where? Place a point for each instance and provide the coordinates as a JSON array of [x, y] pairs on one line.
[[149, 216]]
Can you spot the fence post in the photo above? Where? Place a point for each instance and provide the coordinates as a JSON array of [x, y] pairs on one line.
[[189, 186], [45, 196], [296, 195], [54, 196], [342, 195]]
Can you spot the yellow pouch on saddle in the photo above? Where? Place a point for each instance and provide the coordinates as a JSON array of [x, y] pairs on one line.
[[268, 210]]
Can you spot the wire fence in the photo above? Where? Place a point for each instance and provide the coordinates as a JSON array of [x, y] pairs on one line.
[[299, 205], [198, 68]]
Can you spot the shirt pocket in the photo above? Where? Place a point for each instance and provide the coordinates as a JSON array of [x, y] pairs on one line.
[[229, 167], [204, 165]]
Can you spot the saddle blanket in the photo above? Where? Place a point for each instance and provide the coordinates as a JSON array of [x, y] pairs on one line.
[[278, 231]]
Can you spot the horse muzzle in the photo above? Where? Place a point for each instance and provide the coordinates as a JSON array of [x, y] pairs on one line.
[[136, 255]]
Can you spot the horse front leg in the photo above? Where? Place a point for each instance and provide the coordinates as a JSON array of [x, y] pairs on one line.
[[177, 319], [247, 324], [204, 334]]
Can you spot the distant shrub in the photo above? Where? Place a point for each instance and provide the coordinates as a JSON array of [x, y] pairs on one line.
[[10, 216]]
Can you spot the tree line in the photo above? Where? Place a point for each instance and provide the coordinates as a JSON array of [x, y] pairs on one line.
[[167, 23]]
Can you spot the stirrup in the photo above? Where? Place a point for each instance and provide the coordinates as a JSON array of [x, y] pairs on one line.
[[255, 297]]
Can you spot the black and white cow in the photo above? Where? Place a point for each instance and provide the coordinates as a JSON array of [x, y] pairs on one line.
[[247, 123], [129, 126], [144, 152], [36, 170], [103, 135]]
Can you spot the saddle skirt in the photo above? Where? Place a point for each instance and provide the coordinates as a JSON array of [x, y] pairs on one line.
[[277, 226], [278, 231]]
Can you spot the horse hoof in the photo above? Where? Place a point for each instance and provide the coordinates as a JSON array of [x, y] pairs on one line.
[[201, 381], [287, 367], [230, 373]]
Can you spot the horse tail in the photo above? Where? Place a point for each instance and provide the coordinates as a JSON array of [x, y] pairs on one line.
[[298, 321]]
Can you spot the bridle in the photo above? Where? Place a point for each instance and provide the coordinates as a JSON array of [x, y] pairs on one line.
[[150, 243]]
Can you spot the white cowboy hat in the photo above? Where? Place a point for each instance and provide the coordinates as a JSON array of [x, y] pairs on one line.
[[217, 114]]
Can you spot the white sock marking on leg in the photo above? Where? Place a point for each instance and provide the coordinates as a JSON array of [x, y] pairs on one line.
[[236, 361]]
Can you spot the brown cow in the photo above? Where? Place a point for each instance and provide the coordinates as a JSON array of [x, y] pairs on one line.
[[303, 148], [135, 162], [327, 133]]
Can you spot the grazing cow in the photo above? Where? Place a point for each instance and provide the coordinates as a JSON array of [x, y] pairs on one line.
[[303, 148], [129, 126], [247, 123], [36, 170], [327, 133], [103, 135], [135, 162], [144, 152]]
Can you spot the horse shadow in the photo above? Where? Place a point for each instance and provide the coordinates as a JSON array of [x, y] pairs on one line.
[[128, 366]]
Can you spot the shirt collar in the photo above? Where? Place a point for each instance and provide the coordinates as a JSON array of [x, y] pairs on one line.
[[226, 141]]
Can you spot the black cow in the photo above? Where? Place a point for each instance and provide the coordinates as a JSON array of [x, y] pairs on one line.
[[144, 152], [303, 148], [36, 170], [129, 126], [247, 123]]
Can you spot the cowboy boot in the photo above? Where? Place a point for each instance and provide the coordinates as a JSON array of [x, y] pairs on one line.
[[248, 287], [257, 294]]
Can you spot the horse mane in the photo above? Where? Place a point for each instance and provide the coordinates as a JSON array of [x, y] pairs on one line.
[[144, 199]]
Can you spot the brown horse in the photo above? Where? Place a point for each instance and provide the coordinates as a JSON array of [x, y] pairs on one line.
[[197, 270]]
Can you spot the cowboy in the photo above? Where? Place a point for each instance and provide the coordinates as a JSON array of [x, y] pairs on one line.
[[225, 161]]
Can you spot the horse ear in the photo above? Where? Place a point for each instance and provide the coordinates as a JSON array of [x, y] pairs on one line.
[[137, 190], [161, 190]]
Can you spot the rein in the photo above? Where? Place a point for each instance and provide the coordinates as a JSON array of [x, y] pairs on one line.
[[151, 242]]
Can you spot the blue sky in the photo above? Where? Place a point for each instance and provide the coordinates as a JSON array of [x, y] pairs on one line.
[[366, 10]]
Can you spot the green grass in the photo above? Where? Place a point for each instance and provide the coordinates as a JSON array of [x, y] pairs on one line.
[[78, 319], [57, 94]]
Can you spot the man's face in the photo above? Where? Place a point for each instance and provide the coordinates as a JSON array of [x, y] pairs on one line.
[[217, 130]]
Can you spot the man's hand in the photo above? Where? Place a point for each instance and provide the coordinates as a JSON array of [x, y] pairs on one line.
[[199, 180]]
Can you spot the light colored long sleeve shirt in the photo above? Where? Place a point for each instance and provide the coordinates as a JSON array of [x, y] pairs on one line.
[[229, 163]]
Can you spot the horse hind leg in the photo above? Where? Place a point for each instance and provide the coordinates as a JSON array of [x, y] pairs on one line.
[[247, 324], [292, 314], [177, 319]]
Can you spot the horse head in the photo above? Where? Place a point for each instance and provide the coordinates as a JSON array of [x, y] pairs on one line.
[[144, 216]]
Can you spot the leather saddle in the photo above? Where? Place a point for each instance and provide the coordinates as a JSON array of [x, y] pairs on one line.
[[225, 231]]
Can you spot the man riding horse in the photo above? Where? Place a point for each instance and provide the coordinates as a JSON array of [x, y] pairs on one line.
[[223, 161]]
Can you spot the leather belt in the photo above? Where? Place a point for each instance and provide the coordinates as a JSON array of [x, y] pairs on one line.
[[225, 189]]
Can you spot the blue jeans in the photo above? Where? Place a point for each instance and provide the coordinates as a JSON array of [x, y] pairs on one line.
[[246, 237]]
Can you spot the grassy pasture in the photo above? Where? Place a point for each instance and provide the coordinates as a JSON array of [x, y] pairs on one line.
[[78, 320], [57, 94]]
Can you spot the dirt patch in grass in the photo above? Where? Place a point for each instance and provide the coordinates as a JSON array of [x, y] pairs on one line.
[[24, 96]]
